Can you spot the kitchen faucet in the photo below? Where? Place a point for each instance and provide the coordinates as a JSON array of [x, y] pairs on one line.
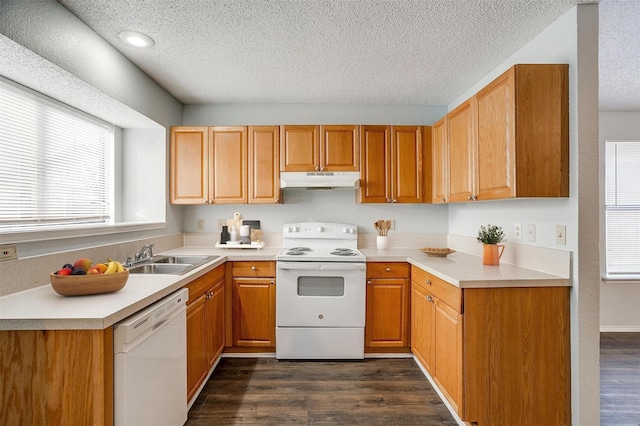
[[148, 249]]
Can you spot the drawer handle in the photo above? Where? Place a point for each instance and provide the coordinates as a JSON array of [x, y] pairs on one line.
[[428, 282], [253, 268], [388, 269]]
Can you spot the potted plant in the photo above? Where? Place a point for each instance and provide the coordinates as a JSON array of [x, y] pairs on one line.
[[491, 236]]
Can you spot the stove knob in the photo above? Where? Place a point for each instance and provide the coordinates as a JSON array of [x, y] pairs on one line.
[[290, 229], [345, 230], [352, 231], [321, 229], [296, 229]]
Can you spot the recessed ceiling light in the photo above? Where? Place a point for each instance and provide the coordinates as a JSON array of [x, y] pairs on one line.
[[137, 39]]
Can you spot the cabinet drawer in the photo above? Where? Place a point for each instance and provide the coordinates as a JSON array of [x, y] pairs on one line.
[[253, 269], [448, 293], [387, 270], [200, 285]]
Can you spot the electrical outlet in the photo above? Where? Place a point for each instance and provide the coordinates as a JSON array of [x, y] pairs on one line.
[[517, 231], [561, 235], [8, 252], [531, 232], [200, 225], [393, 224]]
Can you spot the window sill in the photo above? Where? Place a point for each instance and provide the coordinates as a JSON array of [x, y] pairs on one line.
[[56, 234], [625, 279]]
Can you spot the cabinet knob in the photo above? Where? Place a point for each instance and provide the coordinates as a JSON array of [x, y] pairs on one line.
[[472, 197], [322, 169], [429, 298], [271, 282], [388, 269], [253, 268], [206, 201], [428, 282], [444, 200], [368, 282], [388, 200], [317, 168], [394, 201]]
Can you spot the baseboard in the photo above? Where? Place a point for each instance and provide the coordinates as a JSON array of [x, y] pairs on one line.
[[620, 328]]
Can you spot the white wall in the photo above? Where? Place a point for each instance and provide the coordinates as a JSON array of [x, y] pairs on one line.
[[572, 39], [618, 301]]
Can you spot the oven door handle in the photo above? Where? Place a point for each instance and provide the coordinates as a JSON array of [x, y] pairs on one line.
[[321, 266]]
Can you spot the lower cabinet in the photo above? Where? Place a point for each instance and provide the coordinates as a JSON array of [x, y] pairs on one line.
[[253, 305], [387, 318], [499, 355], [205, 326]]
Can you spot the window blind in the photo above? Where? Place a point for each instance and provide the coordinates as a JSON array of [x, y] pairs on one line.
[[622, 193], [56, 163]]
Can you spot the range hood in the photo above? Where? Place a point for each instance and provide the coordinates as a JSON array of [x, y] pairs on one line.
[[320, 180]]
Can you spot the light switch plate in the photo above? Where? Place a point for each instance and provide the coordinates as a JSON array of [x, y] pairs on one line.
[[561, 235], [531, 232]]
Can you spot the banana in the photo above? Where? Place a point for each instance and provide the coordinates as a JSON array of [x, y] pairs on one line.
[[119, 266], [111, 268]]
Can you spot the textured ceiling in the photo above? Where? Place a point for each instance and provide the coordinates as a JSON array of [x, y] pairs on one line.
[[323, 52]]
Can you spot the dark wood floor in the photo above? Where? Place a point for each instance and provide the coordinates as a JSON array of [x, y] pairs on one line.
[[266, 391], [620, 379]]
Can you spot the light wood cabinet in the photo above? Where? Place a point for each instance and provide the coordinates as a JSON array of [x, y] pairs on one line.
[[56, 377], [189, 175], [205, 327], [391, 165], [462, 151], [253, 299], [387, 309], [440, 163], [225, 165], [319, 148], [228, 170], [264, 165], [495, 352], [511, 139]]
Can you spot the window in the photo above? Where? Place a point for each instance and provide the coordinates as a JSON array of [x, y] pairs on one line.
[[56, 164], [622, 210]]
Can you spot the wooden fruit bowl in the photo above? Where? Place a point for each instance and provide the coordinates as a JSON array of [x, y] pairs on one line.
[[81, 285], [437, 252]]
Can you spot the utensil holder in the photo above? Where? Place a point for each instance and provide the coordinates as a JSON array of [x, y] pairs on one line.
[[382, 242]]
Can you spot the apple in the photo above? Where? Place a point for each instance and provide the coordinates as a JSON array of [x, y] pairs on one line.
[[64, 271], [82, 263]]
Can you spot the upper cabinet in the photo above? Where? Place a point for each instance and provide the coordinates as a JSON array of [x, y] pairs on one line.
[[225, 165], [440, 163], [189, 165], [264, 164], [391, 164], [511, 139], [228, 171], [319, 148]]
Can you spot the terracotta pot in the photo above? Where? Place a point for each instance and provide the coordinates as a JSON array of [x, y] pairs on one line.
[[492, 254]]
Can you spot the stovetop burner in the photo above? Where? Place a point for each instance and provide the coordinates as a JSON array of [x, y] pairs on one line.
[[343, 253], [300, 249], [296, 253]]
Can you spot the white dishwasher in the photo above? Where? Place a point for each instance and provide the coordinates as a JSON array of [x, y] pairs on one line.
[[150, 365]]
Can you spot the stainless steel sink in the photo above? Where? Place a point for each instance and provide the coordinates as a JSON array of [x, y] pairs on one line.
[[192, 260], [161, 268]]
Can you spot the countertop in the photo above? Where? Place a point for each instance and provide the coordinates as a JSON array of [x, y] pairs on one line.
[[42, 308]]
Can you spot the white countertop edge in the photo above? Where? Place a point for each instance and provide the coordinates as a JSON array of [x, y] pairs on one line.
[[460, 269]]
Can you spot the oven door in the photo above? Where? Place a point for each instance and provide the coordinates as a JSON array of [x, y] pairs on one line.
[[320, 294]]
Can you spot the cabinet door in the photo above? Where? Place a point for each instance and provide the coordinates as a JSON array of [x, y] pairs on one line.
[[189, 165], [228, 165], [375, 164], [422, 325], [264, 164], [406, 164], [387, 318], [339, 148], [196, 345], [299, 149], [254, 312], [440, 163], [215, 323], [460, 133], [447, 360], [496, 139]]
